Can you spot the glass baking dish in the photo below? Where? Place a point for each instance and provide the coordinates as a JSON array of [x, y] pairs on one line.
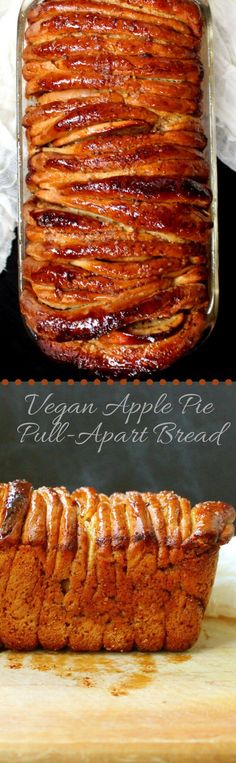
[[208, 124]]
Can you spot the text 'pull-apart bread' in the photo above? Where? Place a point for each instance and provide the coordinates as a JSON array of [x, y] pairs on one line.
[[89, 571], [117, 224]]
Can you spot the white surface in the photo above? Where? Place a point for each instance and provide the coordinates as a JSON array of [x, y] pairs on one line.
[[223, 598], [224, 16], [122, 708]]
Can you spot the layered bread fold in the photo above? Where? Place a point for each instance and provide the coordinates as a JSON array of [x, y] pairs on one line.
[[89, 571], [117, 174]]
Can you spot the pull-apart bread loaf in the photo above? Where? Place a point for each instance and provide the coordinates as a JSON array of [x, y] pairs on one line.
[[89, 571], [118, 224]]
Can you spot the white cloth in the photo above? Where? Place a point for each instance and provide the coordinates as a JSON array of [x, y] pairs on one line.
[[223, 598], [8, 184], [224, 21], [224, 17]]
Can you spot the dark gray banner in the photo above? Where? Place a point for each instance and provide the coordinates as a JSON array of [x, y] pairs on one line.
[[122, 437]]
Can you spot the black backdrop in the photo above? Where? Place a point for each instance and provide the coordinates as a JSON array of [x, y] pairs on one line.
[[20, 357]]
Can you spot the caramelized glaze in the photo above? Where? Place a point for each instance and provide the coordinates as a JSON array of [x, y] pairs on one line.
[[117, 174]]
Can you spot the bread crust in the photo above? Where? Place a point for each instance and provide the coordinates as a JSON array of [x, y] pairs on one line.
[[89, 571], [116, 172]]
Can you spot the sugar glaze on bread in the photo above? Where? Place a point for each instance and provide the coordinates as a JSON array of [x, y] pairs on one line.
[[118, 223]]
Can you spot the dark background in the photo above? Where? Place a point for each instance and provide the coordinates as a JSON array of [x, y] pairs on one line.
[[196, 470], [20, 357]]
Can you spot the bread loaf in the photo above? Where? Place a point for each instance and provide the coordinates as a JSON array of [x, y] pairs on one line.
[[89, 571], [118, 223]]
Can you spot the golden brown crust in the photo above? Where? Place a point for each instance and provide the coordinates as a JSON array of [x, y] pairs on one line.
[[104, 72], [188, 11], [49, 17], [67, 236], [117, 173], [122, 353], [15, 502], [141, 345], [51, 515], [89, 571], [54, 49], [101, 319]]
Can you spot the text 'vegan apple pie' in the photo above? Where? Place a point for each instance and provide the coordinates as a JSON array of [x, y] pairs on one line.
[[89, 571], [118, 223]]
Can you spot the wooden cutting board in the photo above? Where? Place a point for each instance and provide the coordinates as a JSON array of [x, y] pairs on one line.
[[136, 708]]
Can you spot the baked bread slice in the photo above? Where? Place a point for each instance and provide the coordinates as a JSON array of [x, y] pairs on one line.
[[89, 571], [118, 224]]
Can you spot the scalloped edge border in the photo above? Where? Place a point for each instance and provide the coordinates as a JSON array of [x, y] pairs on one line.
[[110, 382]]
